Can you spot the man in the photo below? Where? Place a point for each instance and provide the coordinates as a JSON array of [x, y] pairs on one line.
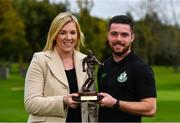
[[126, 83]]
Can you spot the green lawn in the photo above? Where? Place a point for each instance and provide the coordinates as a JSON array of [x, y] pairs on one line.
[[168, 100], [168, 88], [11, 95]]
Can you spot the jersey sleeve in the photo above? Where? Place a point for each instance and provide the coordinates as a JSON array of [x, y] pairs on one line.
[[145, 82]]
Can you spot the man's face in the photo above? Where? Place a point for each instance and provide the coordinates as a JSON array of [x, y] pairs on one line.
[[120, 38]]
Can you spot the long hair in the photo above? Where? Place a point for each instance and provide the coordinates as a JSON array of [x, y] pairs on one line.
[[57, 24]]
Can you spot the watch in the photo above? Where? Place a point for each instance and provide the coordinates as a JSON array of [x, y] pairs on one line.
[[116, 105]]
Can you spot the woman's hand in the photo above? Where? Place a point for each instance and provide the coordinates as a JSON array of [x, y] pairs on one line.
[[69, 101]]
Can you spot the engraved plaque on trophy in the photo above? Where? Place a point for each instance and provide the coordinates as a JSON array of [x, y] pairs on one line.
[[88, 65]]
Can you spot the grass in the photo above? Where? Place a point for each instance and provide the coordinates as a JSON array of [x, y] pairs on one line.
[[11, 95], [168, 89], [168, 100]]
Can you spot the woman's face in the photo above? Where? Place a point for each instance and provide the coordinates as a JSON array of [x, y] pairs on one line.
[[67, 38]]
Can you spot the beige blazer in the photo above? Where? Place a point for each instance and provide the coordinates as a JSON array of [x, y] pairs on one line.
[[46, 84]]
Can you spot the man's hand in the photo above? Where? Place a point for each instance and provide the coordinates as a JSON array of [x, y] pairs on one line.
[[107, 100]]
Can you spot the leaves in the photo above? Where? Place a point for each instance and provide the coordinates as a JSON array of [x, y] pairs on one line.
[[12, 31]]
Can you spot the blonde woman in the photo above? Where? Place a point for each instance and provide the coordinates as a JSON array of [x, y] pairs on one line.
[[55, 75]]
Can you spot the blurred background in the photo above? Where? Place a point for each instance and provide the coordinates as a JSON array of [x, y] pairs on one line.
[[24, 26]]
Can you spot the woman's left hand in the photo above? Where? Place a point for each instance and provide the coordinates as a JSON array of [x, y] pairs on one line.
[[69, 101]]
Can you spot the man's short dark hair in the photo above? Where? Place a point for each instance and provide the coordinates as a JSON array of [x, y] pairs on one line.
[[121, 19]]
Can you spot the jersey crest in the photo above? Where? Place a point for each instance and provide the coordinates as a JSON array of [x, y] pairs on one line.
[[103, 75], [122, 77]]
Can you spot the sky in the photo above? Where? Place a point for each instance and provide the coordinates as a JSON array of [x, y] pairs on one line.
[[108, 8]]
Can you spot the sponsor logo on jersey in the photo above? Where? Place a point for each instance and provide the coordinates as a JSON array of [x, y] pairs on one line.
[[103, 75], [122, 77]]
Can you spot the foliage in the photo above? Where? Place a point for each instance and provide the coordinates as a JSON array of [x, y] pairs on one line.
[[37, 17], [24, 27], [94, 31], [12, 39], [168, 47], [147, 40]]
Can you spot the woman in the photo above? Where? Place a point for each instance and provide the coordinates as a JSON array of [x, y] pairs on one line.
[[55, 75]]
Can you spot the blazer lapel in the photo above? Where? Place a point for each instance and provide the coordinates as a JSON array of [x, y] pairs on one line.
[[56, 66]]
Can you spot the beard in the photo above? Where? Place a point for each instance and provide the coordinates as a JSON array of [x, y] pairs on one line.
[[124, 50]]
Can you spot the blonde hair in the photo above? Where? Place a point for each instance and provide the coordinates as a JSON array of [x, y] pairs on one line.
[[57, 24]]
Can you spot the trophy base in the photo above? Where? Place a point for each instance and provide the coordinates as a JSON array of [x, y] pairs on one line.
[[87, 96]]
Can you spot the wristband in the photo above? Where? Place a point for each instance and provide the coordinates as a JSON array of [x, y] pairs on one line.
[[116, 105]]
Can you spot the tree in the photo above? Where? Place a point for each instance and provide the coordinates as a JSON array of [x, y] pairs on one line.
[[12, 38], [147, 41], [93, 28], [37, 17], [85, 5], [176, 38]]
